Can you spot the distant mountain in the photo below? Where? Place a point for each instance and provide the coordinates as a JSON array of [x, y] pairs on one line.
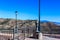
[[50, 27], [57, 23], [44, 21]]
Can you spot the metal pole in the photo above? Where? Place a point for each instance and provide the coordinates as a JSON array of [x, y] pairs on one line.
[[39, 16], [39, 28], [13, 34], [16, 22], [15, 28], [24, 35]]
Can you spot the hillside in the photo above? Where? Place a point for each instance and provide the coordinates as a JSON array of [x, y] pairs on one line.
[[46, 26], [23, 25], [11, 23]]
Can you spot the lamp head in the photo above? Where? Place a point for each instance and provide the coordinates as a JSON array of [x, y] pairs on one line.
[[16, 12]]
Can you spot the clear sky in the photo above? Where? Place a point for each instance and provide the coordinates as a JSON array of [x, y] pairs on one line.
[[50, 10], [27, 9]]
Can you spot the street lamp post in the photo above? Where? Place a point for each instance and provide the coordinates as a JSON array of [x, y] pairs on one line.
[[39, 27], [39, 16], [16, 23], [16, 28]]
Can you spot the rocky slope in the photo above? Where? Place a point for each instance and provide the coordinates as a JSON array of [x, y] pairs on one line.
[[46, 26], [11, 23], [23, 25], [49, 27]]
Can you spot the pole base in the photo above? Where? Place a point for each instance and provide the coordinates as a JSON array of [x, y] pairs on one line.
[[40, 36]]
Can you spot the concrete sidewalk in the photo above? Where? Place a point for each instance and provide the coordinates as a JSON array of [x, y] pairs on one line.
[[44, 38], [31, 39]]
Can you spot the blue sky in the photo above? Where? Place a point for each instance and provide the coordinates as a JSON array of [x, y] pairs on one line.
[[50, 10], [27, 9]]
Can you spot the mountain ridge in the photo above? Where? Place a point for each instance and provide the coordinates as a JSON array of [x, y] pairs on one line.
[[46, 26]]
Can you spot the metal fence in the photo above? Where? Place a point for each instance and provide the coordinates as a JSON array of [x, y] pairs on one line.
[[8, 34]]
